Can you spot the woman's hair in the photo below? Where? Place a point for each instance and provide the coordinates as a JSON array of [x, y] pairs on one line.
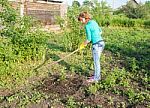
[[85, 15]]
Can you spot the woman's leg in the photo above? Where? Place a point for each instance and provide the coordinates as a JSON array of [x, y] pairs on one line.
[[97, 50]]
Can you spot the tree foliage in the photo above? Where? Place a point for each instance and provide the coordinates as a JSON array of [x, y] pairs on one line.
[[135, 11], [76, 3]]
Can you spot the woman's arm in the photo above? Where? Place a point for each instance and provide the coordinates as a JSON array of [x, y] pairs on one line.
[[86, 42]]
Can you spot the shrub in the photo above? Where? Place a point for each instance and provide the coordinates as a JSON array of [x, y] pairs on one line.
[[147, 23]]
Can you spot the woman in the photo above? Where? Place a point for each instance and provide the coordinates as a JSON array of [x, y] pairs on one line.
[[93, 35]]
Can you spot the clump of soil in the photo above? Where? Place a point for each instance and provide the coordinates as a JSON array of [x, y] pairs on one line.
[[65, 87]]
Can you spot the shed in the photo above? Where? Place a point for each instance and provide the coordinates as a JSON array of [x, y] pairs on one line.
[[43, 10]]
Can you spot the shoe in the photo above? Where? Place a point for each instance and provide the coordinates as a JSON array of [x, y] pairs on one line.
[[92, 80], [91, 77]]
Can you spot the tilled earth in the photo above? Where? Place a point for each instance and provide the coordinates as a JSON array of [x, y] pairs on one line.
[[76, 87], [70, 91]]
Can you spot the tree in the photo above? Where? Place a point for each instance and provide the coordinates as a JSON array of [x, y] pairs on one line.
[[133, 10], [147, 9], [76, 3], [101, 13], [88, 3]]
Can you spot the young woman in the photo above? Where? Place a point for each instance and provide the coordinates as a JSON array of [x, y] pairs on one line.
[[93, 35]]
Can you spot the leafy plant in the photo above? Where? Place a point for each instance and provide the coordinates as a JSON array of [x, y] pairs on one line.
[[73, 36], [71, 102], [19, 43], [92, 89]]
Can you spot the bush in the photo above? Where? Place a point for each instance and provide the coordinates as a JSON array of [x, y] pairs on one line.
[[73, 35], [147, 23], [19, 42], [126, 22]]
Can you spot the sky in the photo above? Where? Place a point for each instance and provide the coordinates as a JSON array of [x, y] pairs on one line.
[[117, 3]]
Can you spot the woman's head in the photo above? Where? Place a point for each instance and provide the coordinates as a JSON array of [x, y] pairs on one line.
[[84, 17]]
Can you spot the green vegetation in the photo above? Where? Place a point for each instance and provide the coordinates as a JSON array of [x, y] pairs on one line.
[[19, 44], [125, 62]]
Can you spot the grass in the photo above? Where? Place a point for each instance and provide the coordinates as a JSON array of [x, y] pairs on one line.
[[125, 75]]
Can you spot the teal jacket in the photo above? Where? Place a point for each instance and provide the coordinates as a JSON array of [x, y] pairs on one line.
[[93, 31]]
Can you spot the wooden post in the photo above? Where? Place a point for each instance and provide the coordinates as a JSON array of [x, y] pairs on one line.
[[21, 8], [25, 6]]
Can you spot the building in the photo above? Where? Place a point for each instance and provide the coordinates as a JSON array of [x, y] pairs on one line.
[[45, 11], [133, 3]]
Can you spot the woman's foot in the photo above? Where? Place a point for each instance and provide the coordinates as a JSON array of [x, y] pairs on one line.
[[92, 80], [91, 77]]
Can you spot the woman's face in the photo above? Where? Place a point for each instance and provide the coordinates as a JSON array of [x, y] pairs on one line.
[[82, 20]]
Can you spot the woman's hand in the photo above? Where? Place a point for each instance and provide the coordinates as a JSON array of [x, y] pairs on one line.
[[84, 44]]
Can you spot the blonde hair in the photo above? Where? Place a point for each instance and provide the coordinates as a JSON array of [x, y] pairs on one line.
[[85, 15]]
